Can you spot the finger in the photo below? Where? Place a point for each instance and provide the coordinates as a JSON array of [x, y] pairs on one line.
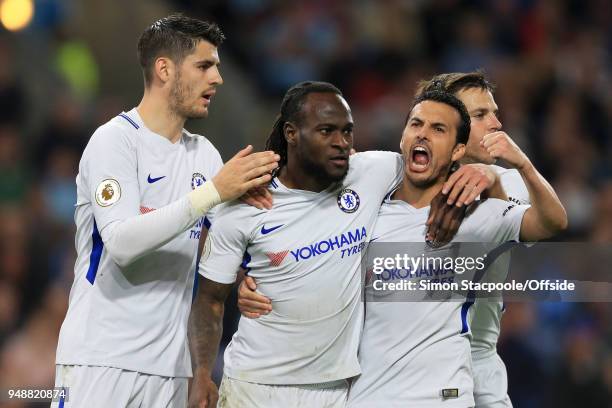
[[250, 295], [478, 190], [251, 306], [435, 225], [457, 189], [450, 225], [250, 315], [436, 203], [452, 180], [243, 153], [267, 199], [249, 281], [259, 159], [259, 181], [492, 138], [258, 171]]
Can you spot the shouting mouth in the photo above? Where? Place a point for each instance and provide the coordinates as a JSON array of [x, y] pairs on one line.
[[420, 157]]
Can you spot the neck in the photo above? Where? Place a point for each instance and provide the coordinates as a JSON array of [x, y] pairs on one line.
[[159, 118], [294, 176], [418, 197], [467, 160]]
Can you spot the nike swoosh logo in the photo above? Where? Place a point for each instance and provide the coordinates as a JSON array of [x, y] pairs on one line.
[[152, 180], [269, 230]]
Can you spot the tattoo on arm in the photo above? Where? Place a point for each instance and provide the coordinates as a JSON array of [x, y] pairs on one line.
[[206, 323]]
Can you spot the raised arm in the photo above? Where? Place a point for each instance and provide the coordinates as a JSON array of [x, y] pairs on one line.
[[546, 217], [204, 332]]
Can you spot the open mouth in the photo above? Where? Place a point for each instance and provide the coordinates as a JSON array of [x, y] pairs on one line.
[[208, 95], [420, 157]]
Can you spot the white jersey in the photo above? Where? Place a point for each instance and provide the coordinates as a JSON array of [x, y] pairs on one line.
[[305, 255], [487, 312], [418, 353], [133, 318]]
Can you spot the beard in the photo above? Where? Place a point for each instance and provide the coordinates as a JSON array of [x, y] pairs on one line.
[[179, 95], [318, 171]]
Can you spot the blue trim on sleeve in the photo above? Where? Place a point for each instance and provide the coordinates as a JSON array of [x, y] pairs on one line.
[[96, 254], [126, 117], [464, 311], [246, 258]]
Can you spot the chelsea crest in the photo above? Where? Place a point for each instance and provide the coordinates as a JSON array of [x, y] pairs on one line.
[[197, 180], [348, 200]]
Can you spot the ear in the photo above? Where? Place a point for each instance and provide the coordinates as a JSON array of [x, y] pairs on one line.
[[164, 69], [458, 152], [291, 133]]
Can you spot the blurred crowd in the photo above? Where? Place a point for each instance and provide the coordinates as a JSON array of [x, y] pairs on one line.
[[550, 59]]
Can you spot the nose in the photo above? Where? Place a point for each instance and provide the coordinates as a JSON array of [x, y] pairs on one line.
[[494, 123], [216, 78], [341, 140]]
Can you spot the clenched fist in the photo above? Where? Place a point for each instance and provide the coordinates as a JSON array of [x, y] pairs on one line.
[[501, 146]]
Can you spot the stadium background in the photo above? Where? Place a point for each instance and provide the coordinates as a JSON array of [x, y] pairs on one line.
[[74, 66]]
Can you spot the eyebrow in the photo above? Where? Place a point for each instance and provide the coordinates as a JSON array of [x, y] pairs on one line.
[[436, 124], [208, 61]]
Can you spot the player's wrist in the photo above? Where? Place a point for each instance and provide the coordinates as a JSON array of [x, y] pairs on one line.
[[203, 198]]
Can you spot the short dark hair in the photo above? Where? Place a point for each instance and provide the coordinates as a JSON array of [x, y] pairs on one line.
[[291, 111], [454, 82], [175, 36], [463, 129]]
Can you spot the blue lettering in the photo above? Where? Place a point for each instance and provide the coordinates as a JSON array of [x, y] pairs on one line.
[[313, 250], [321, 244], [308, 251], [343, 240], [354, 238], [295, 254], [335, 241]]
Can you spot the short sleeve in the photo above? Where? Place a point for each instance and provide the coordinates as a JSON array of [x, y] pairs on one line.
[[109, 173], [498, 221], [226, 243], [515, 187]]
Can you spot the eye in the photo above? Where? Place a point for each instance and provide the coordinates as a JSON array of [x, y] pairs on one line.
[[325, 131], [479, 115], [348, 132], [439, 129]]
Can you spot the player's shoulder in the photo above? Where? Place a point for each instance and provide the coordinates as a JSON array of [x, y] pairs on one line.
[[373, 156], [238, 213], [373, 163], [119, 131]]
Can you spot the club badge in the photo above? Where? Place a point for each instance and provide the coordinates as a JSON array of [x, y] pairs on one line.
[[348, 200]]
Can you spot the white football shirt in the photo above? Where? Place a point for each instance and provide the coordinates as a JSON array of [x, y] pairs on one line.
[[487, 312], [413, 352], [134, 318], [305, 255]]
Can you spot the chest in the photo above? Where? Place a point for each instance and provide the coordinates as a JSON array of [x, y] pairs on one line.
[[166, 175]]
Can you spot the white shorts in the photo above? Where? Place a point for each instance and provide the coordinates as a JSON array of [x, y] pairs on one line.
[[93, 387], [239, 394], [490, 382]]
